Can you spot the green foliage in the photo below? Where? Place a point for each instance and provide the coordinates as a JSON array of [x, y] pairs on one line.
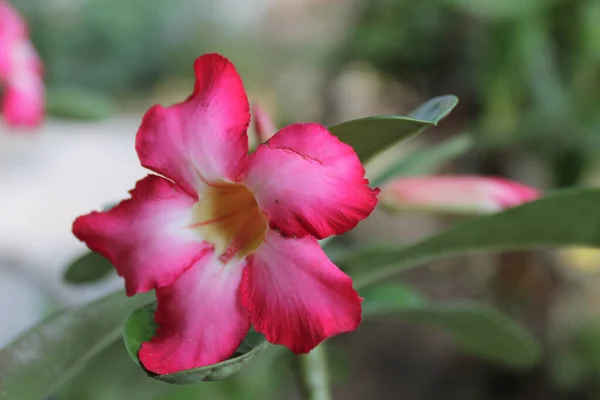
[[77, 103], [528, 71], [576, 363], [500, 9], [427, 160], [112, 376], [391, 298], [38, 363], [110, 45], [475, 328], [89, 267], [567, 218], [140, 328], [371, 135]]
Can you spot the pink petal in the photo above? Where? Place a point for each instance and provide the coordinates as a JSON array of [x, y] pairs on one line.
[[146, 237], [459, 194], [200, 316], [296, 297], [12, 29], [24, 101], [263, 125], [202, 139], [11, 22], [309, 183]]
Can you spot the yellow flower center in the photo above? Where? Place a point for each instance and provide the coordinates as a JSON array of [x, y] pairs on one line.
[[228, 216]]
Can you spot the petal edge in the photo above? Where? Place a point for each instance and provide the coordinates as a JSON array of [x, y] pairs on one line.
[[296, 296], [145, 237], [309, 183], [201, 319]]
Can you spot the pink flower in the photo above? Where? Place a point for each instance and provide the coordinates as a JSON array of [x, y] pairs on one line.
[[21, 70], [229, 239], [456, 194], [263, 124]]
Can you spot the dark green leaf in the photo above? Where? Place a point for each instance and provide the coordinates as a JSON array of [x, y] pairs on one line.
[[567, 218], [426, 160], [476, 328], [79, 104], [90, 267], [369, 136], [140, 328], [44, 358]]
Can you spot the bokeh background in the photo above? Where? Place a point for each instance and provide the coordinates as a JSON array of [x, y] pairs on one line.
[[528, 77]]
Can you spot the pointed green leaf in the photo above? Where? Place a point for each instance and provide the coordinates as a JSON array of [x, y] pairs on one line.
[[567, 218], [44, 358], [140, 328], [434, 110], [475, 328], [369, 136], [427, 160], [88, 268]]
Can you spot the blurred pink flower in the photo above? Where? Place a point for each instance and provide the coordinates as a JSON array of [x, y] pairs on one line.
[[20, 71], [263, 124], [456, 194]]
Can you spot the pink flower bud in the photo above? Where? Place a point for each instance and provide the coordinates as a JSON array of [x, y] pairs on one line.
[[263, 124], [456, 194]]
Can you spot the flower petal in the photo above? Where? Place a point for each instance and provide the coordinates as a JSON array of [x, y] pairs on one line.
[[24, 100], [309, 183], [146, 237], [296, 296], [200, 316], [12, 30], [202, 139], [456, 194]]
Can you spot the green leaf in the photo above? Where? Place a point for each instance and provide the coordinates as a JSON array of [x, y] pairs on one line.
[[89, 267], [78, 104], [386, 298], [140, 328], [567, 218], [368, 136], [426, 160], [434, 110], [39, 362], [475, 328]]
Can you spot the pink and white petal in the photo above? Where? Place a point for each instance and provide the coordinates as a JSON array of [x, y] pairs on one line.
[[309, 183], [23, 104], [263, 124], [147, 238], [296, 296], [200, 316], [456, 194], [203, 139]]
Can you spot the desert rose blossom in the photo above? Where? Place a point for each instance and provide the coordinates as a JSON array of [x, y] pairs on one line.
[[21, 72], [456, 194], [230, 239]]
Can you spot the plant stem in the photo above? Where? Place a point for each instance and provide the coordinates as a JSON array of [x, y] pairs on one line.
[[312, 374]]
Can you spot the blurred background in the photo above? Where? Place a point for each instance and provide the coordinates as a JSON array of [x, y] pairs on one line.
[[528, 77]]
